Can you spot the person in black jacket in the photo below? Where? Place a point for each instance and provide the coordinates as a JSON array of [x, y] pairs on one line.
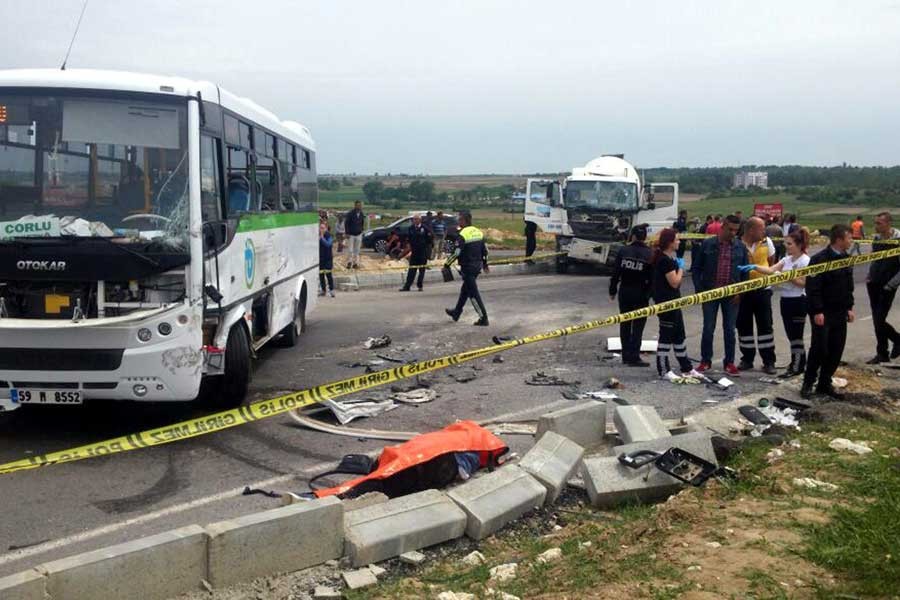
[[882, 283], [419, 240], [830, 305], [326, 260], [633, 269], [354, 223], [472, 254]]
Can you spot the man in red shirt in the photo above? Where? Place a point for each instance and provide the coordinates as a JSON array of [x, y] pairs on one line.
[[715, 227]]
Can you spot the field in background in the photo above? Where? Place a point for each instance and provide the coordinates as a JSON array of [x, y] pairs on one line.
[[815, 215]]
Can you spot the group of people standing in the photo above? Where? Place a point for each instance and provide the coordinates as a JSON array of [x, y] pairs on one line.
[[738, 250]]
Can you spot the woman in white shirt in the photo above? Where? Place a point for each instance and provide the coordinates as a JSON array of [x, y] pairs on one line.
[[793, 296]]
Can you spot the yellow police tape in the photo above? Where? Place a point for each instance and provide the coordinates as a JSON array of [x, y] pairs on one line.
[[282, 404], [500, 261]]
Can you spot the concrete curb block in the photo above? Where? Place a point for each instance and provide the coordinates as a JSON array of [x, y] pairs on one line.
[[27, 585], [495, 499], [372, 279], [552, 461], [637, 423], [156, 567], [386, 530], [283, 539], [583, 423]]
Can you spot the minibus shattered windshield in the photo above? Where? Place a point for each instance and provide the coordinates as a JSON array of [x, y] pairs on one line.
[[93, 167]]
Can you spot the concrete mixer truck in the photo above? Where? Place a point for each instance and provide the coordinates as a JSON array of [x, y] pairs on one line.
[[594, 208]]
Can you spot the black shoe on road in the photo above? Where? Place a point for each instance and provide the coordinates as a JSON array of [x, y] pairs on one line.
[[878, 359], [405, 289], [806, 392], [830, 392], [745, 366], [453, 315], [637, 363], [482, 322], [770, 370]]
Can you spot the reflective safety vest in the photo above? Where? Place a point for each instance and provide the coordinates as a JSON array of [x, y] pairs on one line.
[[856, 230], [401, 461], [759, 256]]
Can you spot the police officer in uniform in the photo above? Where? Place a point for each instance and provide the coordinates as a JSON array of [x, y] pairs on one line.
[[634, 271], [420, 240], [472, 254], [830, 306]]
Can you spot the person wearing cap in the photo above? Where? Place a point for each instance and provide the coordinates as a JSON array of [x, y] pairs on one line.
[[633, 270], [472, 254]]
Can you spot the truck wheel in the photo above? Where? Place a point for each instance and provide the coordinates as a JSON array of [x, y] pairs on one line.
[[230, 389], [291, 333]]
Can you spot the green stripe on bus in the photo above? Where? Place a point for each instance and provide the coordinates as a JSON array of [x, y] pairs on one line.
[[276, 220]]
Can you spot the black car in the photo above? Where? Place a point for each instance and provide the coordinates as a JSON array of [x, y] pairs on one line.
[[377, 239]]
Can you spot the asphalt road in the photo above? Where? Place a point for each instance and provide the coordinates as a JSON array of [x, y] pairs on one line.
[[61, 510]]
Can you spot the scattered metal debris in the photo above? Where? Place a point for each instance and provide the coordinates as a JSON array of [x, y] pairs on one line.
[[417, 396], [541, 378], [379, 342], [613, 384]]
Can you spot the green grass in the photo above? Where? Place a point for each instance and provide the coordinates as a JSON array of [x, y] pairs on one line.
[[862, 539]]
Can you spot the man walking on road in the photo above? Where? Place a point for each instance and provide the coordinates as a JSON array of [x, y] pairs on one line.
[[717, 265], [830, 301], [634, 270], [756, 305], [882, 283], [472, 255], [419, 248], [354, 223]]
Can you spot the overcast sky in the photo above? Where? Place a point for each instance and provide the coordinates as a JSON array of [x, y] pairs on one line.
[[487, 86]]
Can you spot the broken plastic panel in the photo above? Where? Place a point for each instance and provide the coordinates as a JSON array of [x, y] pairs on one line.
[[680, 464]]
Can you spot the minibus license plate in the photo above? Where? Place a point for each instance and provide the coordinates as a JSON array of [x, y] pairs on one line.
[[30, 396]]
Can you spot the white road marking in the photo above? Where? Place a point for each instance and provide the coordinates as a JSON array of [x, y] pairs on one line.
[[185, 506]]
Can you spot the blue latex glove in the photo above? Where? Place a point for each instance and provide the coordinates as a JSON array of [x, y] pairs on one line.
[[679, 262], [746, 268]]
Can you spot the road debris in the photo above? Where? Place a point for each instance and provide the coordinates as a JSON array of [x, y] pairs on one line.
[[455, 596], [345, 412], [549, 556], [377, 571], [845, 445], [814, 484], [497, 359], [412, 558], [473, 559], [681, 379], [359, 578], [613, 384], [505, 572], [464, 377], [324, 592], [502, 339], [838, 382], [512, 428], [541, 378], [774, 455], [417, 396], [379, 342]]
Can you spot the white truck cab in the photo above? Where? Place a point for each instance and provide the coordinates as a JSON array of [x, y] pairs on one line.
[[593, 209]]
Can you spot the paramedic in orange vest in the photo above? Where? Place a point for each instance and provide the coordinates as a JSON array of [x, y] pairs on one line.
[[757, 304], [857, 232]]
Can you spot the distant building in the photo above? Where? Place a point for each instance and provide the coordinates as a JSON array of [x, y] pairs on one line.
[[745, 179]]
